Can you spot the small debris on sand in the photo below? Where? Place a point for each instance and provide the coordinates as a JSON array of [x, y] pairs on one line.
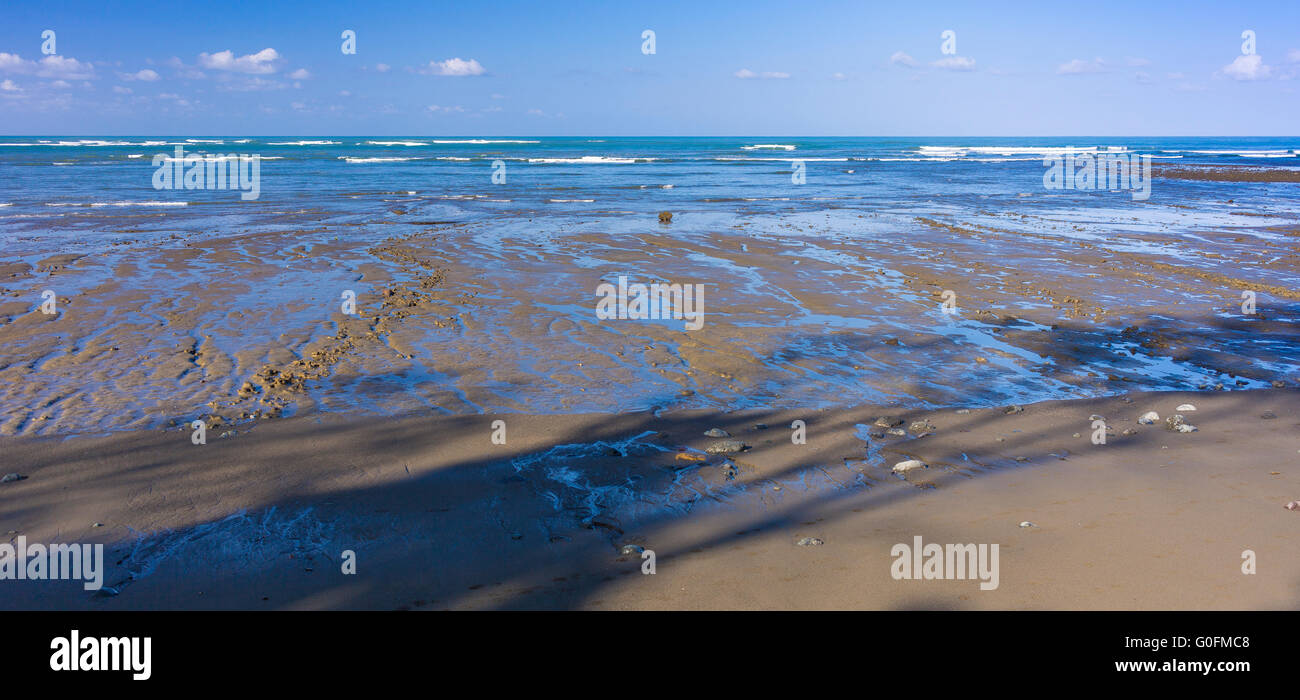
[[725, 447], [810, 542], [1149, 418], [888, 421], [716, 433], [1178, 424], [1186, 407], [908, 465], [665, 217], [11, 477], [1293, 505], [1026, 523]]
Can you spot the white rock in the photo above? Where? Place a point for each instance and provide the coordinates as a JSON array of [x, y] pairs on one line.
[[1186, 407], [1027, 524], [1149, 417], [908, 465]]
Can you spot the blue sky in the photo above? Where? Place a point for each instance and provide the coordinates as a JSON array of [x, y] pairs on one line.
[[577, 68]]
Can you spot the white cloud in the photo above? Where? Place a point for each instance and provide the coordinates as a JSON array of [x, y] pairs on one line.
[[9, 86], [249, 84], [839, 76], [1079, 66], [901, 59], [300, 74], [1142, 77], [13, 62], [1293, 56], [436, 108], [747, 74], [383, 67], [147, 75], [122, 90], [56, 67], [259, 63], [955, 63], [1247, 67], [61, 84], [454, 67], [65, 68], [1137, 62]]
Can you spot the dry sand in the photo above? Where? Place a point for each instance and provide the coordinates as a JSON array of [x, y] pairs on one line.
[[440, 517]]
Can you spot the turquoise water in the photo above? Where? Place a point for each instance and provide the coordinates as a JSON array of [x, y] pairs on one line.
[[43, 176]]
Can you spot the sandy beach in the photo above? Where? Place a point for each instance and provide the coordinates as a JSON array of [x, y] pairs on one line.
[[441, 518]]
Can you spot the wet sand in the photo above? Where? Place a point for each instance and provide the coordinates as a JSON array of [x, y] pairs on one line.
[[824, 310], [440, 517]]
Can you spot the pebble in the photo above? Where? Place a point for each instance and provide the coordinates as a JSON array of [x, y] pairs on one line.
[[1013, 409], [1149, 417], [897, 432], [810, 542], [629, 550], [665, 217], [725, 447], [888, 421], [1096, 417], [908, 465], [963, 410], [716, 433], [1178, 424], [1268, 415], [1027, 524], [1293, 505], [11, 477], [1186, 407]]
